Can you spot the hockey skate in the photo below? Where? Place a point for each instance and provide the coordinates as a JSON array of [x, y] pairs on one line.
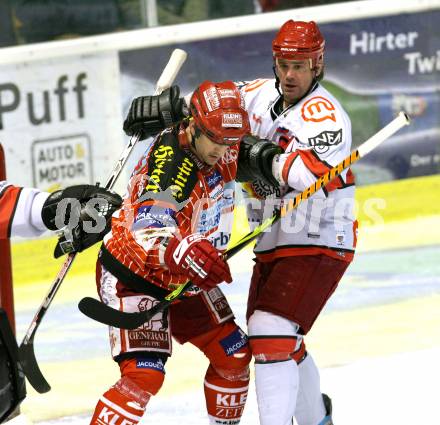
[[327, 420], [328, 411]]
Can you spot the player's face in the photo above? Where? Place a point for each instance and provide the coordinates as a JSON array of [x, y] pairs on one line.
[[295, 76], [208, 151]]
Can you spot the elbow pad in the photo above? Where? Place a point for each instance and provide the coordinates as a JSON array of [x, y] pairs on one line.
[[255, 160], [149, 115]]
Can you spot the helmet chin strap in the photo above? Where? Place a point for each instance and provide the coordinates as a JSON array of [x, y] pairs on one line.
[[277, 80]]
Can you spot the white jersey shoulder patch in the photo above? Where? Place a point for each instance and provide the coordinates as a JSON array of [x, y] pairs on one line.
[[322, 123]]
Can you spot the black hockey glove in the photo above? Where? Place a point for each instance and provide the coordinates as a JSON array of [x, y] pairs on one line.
[[81, 214], [255, 160], [149, 115]]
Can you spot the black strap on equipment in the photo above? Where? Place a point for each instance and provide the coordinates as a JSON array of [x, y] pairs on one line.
[[12, 381]]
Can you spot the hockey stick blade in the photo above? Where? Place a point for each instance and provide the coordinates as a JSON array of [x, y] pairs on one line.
[[31, 369], [102, 313], [177, 59]]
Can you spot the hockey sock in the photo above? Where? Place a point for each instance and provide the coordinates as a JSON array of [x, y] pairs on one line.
[[277, 387], [125, 402], [122, 404], [225, 398], [309, 405]]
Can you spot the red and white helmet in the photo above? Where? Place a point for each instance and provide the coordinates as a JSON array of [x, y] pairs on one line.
[[299, 40], [218, 110]]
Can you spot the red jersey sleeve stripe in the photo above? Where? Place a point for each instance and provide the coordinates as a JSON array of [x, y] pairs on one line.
[[8, 205], [288, 165], [318, 168]]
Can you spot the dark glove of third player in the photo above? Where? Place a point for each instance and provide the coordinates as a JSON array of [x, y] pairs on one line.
[[82, 213], [195, 257], [255, 160], [148, 115]]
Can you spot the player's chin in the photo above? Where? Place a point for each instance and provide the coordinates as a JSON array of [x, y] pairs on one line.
[[291, 96], [212, 160]]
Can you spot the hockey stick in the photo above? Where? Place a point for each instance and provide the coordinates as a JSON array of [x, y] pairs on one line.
[[101, 312], [26, 349]]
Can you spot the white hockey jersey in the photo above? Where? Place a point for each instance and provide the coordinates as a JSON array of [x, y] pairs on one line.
[[316, 135], [20, 211]]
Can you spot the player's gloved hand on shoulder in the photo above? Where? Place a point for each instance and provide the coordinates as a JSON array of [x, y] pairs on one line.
[[82, 214], [149, 115], [195, 257]]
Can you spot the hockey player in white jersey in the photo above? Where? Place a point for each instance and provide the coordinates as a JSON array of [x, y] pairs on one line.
[[301, 259], [29, 212]]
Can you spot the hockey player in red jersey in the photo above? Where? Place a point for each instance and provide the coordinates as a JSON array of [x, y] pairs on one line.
[[173, 226], [28, 212], [304, 255]]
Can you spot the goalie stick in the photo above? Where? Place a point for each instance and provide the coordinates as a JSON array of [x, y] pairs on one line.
[[26, 349], [101, 312]]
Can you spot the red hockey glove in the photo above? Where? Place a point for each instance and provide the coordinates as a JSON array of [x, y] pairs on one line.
[[197, 258]]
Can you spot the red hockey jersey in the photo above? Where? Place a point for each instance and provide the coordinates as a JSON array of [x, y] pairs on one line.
[[170, 192], [20, 211]]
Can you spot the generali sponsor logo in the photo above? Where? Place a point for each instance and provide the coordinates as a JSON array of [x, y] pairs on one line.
[[153, 334]]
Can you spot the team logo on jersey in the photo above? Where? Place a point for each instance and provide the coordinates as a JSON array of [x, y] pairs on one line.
[[322, 142], [158, 323], [340, 238], [318, 109], [230, 155]]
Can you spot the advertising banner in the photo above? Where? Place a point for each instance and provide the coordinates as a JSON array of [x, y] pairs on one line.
[[60, 120], [375, 67]]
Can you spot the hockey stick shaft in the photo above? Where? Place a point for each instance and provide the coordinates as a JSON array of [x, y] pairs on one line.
[[26, 349], [109, 316]]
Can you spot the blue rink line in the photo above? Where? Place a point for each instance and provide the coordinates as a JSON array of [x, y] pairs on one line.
[[373, 279]]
